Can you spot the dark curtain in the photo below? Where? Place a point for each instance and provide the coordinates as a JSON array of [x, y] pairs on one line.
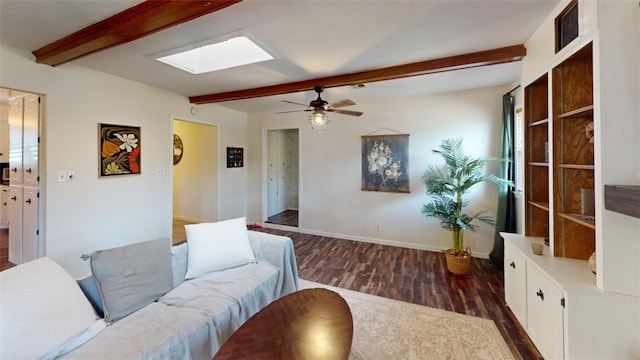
[[506, 215]]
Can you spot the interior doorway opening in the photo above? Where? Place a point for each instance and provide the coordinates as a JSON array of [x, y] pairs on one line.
[[195, 175], [282, 177]]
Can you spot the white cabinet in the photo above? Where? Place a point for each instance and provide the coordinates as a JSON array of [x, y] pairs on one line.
[[564, 313], [281, 186], [23, 202], [15, 224], [4, 141], [515, 284], [545, 314], [4, 206]]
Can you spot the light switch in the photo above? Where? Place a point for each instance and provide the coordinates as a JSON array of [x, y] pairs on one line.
[[62, 175], [71, 175]]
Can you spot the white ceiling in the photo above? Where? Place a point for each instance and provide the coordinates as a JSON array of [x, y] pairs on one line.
[[311, 38]]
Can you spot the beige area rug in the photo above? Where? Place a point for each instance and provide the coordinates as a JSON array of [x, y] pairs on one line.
[[390, 329]]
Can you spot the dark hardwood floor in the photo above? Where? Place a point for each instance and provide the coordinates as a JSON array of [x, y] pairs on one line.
[[410, 275], [287, 217], [4, 250]]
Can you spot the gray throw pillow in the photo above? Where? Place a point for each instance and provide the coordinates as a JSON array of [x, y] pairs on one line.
[[132, 276]]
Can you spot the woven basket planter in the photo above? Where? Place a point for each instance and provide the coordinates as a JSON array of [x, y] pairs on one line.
[[458, 265]]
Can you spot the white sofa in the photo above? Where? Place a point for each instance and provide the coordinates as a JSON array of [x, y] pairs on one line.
[[41, 319]]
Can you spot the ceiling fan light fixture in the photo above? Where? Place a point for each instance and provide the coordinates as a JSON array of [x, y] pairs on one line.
[[318, 119]]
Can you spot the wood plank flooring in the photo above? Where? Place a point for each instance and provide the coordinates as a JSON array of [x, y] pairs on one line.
[[4, 250], [410, 275], [287, 217]]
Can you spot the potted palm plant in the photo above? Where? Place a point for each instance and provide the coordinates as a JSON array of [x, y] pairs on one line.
[[447, 186]]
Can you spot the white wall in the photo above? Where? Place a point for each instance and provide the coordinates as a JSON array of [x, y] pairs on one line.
[[331, 202], [195, 177], [96, 213]]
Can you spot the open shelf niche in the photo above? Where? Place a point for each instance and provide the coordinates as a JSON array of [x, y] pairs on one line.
[[573, 156], [537, 157]]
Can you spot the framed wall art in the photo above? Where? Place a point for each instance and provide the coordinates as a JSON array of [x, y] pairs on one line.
[[235, 157], [119, 149], [385, 163]]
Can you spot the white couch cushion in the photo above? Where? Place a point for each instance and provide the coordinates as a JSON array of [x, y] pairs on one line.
[[217, 246], [43, 310]]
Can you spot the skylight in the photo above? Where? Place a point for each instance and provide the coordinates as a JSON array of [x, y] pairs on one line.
[[236, 51]]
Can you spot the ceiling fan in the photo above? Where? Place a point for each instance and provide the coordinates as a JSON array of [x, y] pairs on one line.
[[320, 108]]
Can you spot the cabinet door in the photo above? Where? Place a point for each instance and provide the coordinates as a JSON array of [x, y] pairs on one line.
[[515, 283], [29, 224], [15, 224], [4, 141], [272, 193], [30, 139], [4, 207], [15, 140], [545, 315]]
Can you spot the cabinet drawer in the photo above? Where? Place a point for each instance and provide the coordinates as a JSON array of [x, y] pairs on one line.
[[545, 315]]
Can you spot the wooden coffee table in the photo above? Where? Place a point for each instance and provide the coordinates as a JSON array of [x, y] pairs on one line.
[[307, 324]]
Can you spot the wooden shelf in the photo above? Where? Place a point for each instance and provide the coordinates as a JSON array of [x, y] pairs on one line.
[[539, 205], [540, 122], [585, 111], [536, 163], [576, 166], [584, 220], [624, 199]]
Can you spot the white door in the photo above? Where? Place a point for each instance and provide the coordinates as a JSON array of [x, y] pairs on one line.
[[29, 224], [515, 284], [30, 139], [272, 193], [15, 140], [4, 207], [545, 315], [15, 224]]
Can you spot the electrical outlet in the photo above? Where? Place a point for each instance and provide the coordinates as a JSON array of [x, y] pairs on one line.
[[377, 227]]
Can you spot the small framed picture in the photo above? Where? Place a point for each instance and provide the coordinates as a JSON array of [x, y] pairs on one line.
[[235, 157], [119, 150]]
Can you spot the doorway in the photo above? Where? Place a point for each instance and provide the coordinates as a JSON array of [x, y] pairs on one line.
[[282, 177], [21, 117], [195, 175]]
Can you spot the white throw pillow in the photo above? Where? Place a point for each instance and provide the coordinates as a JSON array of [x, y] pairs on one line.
[[217, 246], [43, 311]]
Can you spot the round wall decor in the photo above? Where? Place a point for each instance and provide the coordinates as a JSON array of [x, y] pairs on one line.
[[177, 149]]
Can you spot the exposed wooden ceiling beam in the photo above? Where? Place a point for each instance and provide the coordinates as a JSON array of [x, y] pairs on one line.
[[458, 62], [136, 22]]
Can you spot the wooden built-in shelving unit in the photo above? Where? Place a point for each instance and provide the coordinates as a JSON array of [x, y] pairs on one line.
[[573, 155], [537, 157], [570, 167]]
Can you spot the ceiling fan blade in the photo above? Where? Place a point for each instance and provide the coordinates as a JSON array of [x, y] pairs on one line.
[[290, 111], [294, 103], [345, 102], [346, 112]]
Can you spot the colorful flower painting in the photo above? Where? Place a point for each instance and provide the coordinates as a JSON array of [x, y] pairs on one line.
[[119, 149], [385, 163]]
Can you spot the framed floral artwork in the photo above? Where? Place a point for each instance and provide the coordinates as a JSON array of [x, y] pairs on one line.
[[119, 149], [385, 163]]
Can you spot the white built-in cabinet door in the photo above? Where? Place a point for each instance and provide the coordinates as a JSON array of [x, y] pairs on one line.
[[29, 224], [4, 206], [515, 283], [15, 139], [15, 224], [30, 139], [545, 315], [4, 141]]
